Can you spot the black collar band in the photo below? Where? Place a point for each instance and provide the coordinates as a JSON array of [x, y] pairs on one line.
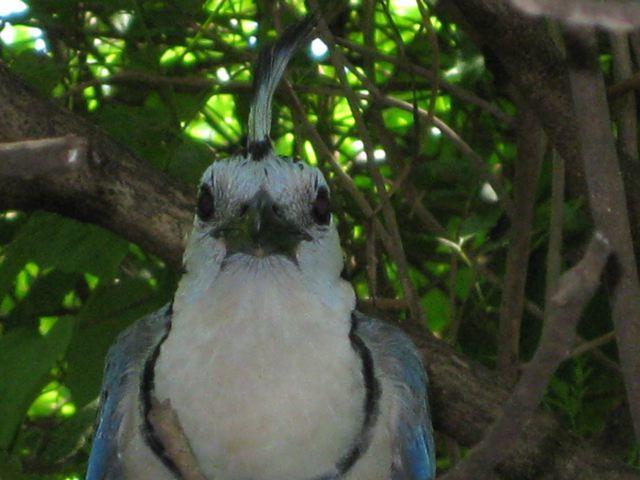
[[343, 465]]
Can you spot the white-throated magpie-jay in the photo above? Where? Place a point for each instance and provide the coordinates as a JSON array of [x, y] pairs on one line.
[[272, 373]]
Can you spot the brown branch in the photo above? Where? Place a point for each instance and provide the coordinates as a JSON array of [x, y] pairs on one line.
[[575, 289], [46, 156], [554, 249], [614, 15], [634, 40], [607, 203], [625, 115], [106, 190], [530, 146], [621, 87], [589, 345], [151, 79]]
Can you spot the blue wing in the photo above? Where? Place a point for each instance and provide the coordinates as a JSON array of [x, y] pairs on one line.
[[122, 376], [398, 363]]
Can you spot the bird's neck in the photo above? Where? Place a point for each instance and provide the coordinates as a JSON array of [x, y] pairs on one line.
[[272, 293]]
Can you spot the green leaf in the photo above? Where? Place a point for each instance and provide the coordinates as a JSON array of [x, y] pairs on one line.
[[44, 298], [190, 160], [464, 283], [26, 358], [11, 468], [37, 69], [438, 309], [70, 435], [50, 240], [108, 311]]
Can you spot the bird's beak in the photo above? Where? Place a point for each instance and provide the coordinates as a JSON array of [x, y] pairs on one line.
[[262, 230]]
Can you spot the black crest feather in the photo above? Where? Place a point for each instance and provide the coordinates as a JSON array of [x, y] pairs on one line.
[[271, 65]]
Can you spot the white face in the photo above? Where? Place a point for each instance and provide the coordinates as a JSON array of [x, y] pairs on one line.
[[263, 213]]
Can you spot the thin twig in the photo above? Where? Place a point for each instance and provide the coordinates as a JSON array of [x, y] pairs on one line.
[[384, 304], [623, 86], [589, 345], [396, 247], [372, 261], [432, 35], [463, 94], [625, 115], [554, 249], [527, 170]]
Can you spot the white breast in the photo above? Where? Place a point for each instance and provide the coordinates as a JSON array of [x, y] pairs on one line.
[[262, 374]]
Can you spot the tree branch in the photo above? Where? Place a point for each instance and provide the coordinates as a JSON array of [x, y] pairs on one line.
[[624, 111], [614, 14], [108, 190], [527, 170], [607, 202], [575, 289], [46, 156]]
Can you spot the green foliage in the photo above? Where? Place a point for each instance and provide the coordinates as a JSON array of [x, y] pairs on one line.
[[170, 79], [27, 358]]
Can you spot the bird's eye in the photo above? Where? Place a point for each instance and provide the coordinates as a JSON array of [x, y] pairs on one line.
[[321, 207], [206, 208]]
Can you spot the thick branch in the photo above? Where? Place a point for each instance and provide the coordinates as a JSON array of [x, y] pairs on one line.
[[42, 157], [614, 14], [127, 196], [608, 203], [624, 111], [109, 190]]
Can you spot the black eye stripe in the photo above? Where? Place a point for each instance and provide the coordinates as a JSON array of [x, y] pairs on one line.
[[205, 208]]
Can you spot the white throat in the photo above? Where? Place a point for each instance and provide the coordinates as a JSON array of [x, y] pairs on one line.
[[261, 371]]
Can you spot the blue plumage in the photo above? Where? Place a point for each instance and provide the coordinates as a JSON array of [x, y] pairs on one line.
[[123, 373], [400, 364]]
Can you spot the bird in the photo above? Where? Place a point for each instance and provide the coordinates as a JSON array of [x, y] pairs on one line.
[[269, 368]]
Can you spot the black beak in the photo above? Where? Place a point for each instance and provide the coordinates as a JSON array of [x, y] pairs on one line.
[[260, 230]]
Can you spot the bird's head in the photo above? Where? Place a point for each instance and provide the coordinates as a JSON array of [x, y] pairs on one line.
[[259, 207]]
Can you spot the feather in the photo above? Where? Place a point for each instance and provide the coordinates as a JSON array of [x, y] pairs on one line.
[[123, 371], [271, 65], [399, 364]]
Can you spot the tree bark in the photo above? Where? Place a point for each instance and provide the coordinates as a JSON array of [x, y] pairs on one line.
[[113, 188]]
